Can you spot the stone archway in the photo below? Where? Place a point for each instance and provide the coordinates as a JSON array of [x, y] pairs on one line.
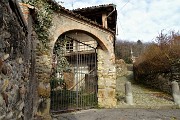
[[106, 70], [76, 35], [64, 23], [106, 57], [75, 67]]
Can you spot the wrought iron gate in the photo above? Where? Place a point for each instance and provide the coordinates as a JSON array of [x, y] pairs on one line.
[[74, 77]]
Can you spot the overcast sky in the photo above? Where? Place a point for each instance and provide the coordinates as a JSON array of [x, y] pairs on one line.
[[138, 19]]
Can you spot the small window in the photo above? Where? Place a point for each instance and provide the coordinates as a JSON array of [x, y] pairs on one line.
[[69, 46]]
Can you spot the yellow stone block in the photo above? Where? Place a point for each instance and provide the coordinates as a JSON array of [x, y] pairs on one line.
[[101, 93], [44, 90], [111, 93]]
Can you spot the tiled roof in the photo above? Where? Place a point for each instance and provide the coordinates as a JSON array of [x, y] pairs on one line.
[[95, 14], [94, 7], [59, 8]]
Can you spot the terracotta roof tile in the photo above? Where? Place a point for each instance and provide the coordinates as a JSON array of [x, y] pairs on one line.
[[93, 7]]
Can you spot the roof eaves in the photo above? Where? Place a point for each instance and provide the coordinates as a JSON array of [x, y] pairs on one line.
[[59, 8], [94, 7]]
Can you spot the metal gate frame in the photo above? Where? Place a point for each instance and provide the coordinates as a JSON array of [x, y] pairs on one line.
[[74, 76]]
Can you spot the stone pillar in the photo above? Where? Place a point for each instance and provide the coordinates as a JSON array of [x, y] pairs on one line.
[[176, 92], [43, 72], [106, 80], [128, 92]]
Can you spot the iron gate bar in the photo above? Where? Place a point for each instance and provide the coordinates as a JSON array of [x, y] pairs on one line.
[[83, 93]]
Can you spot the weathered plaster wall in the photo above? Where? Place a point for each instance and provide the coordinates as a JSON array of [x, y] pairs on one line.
[[14, 65], [78, 35]]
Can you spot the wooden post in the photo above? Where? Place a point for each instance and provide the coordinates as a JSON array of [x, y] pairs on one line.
[[104, 20]]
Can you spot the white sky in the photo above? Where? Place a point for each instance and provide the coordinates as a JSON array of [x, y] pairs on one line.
[[138, 19]]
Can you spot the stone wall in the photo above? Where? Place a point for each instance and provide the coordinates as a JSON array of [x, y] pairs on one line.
[[43, 72], [14, 64], [121, 68], [106, 80]]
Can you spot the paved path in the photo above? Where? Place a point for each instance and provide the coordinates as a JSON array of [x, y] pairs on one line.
[[121, 114], [143, 97]]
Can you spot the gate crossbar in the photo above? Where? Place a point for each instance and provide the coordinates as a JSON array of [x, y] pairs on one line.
[[80, 42], [80, 80]]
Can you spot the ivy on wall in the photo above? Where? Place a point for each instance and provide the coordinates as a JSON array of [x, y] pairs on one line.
[[60, 50], [43, 21]]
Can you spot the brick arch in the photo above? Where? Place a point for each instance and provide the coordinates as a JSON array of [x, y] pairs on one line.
[[102, 44], [63, 24], [89, 34]]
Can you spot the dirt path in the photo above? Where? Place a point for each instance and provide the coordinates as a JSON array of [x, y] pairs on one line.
[[142, 96]]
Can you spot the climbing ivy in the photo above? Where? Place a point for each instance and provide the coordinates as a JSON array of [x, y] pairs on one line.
[[43, 21], [60, 49]]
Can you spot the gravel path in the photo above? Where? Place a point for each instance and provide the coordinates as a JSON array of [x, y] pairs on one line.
[[142, 96]]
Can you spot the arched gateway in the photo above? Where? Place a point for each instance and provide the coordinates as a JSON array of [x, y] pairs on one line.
[[87, 50], [74, 76]]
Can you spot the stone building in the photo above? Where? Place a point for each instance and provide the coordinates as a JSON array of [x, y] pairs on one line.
[[79, 41], [94, 26]]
